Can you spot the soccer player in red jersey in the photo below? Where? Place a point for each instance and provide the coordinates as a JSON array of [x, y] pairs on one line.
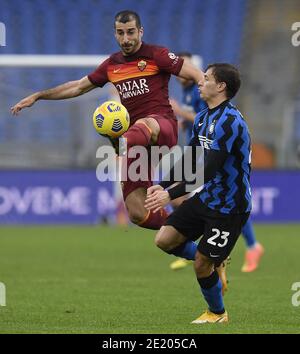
[[140, 72]]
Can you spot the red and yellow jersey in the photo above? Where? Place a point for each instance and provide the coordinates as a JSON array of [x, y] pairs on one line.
[[141, 79]]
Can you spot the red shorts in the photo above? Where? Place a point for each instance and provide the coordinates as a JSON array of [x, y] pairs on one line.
[[167, 136]]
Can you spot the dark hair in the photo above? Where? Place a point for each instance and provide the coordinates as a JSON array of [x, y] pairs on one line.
[[127, 16], [229, 74]]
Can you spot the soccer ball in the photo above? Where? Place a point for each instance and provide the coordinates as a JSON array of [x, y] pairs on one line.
[[111, 119]]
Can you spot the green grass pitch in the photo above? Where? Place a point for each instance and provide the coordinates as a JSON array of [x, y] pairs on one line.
[[114, 280]]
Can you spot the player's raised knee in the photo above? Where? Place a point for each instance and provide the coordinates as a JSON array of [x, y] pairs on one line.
[[153, 127], [161, 241], [136, 215]]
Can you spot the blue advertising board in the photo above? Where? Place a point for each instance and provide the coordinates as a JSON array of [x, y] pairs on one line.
[[77, 197], [275, 196], [47, 197]]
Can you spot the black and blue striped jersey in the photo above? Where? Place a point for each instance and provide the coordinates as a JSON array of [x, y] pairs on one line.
[[224, 129]]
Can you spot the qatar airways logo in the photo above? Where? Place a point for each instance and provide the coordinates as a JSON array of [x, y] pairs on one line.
[[133, 88]]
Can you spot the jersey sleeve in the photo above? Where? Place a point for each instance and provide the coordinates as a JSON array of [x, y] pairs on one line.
[[167, 61], [225, 134], [99, 76]]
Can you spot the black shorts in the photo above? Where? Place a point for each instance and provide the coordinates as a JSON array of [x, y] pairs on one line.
[[219, 231]]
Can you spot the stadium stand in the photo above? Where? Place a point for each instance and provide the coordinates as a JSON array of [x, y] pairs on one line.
[[271, 83]]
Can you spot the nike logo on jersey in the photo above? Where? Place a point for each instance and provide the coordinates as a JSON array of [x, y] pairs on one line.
[[117, 70], [199, 125]]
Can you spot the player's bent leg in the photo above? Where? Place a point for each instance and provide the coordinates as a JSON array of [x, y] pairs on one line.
[[143, 132], [173, 242], [252, 258], [211, 288], [168, 238], [154, 221], [164, 129], [221, 269], [254, 249], [180, 263], [203, 266], [153, 126], [135, 205], [139, 215]]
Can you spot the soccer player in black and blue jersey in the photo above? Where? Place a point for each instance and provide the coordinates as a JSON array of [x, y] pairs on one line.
[[219, 211], [192, 104]]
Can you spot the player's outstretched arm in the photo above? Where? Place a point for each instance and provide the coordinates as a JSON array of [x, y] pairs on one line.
[[67, 90], [191, 72]]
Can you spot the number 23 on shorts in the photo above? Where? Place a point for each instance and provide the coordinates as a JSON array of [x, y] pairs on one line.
[[223, 235]]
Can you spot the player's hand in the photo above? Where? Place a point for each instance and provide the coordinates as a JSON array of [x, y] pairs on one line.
[[153, 189], [157, 200], [26, 102]]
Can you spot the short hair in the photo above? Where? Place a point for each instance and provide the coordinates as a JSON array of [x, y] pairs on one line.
[[127, 16], [224, 72]]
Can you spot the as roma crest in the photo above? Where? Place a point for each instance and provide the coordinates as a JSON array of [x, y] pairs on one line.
[[142, 65]]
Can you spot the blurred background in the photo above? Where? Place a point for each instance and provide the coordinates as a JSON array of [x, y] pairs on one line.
[[48, 154]]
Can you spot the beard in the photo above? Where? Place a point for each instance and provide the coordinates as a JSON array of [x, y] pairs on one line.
[[130, 48]]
